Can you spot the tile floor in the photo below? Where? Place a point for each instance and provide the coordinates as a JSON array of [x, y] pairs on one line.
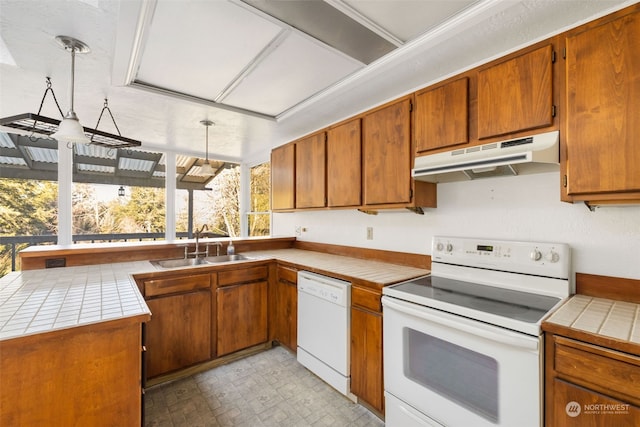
[[267, 389]]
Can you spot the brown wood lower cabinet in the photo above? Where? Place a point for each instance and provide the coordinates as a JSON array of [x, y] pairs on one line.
[[283, 308], [589, 385], [586, 408], [241, 309], [366, 347], [179, 332], [83, 376]]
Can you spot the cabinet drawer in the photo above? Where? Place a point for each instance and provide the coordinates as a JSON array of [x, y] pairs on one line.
[[241, 275], [287, 275], [176, 284], [366, 298], [609, 369]]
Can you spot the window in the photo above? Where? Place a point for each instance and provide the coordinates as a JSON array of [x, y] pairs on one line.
[[28, 215], [129, 202], [259, 216]]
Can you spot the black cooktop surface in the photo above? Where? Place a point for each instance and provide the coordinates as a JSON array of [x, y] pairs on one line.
[[508, 303]]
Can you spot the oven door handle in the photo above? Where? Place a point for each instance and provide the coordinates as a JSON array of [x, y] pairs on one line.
[[506, 337]]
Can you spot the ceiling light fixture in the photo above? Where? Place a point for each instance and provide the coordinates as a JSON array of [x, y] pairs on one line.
[[36, 126], [206, 168], [70, 129]]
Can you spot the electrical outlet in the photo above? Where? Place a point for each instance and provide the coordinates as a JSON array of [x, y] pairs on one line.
[[369, 233], [298, 231]]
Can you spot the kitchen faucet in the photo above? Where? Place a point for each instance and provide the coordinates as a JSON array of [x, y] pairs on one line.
[[198, 233]]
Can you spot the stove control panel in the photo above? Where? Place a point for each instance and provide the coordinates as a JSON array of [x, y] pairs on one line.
[[539, 258]]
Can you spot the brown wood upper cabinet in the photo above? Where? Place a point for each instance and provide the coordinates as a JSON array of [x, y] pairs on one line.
[[387, 159], [442, 116], [602, 128], [310, 173], [344, 164], [517, 94], [386, 153], [283, 177], [364, 162]]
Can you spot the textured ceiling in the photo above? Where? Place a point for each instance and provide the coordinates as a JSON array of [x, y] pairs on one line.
[[167, 65]]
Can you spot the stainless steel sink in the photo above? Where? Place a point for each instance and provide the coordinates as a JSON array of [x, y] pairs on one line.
[[225, 258], [185, 262], [175, 263]]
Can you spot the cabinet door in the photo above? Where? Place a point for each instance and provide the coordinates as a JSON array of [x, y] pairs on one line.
[[81, 376], [344, 165], [285, 308], [241, 316], [603, 107], [575, 406], [366, 357], [179, 332], [386, 145], [311, 172], [442, 116], [283, 177], [516, 95]]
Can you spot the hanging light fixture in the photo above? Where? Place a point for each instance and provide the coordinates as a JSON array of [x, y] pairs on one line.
[[70, 129], [206, 168]]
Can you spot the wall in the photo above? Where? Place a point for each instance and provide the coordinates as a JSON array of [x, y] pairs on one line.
[[605, 242]]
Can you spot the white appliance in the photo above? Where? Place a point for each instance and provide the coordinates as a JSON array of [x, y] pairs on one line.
[[463, 347], [537, 153], [323, 328]]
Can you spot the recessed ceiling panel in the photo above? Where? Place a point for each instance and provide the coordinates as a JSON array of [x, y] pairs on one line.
[[198, 48], [294, 71], [407, 19], [329, 25]]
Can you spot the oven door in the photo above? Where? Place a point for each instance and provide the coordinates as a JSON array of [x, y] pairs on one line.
[[457, 371]]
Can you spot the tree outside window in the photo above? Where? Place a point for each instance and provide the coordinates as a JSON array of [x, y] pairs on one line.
[[259, 217]]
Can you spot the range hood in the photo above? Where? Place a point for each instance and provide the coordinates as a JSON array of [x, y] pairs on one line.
[[532, 154]]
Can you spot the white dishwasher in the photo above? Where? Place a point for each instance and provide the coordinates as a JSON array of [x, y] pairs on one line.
[[324, 326]]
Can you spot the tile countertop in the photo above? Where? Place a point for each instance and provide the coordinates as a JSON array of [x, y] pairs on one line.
[[382, 273], [599, 317], [37, 301]]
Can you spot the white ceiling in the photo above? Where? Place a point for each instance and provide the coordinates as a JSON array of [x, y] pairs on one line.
[[166, 65]]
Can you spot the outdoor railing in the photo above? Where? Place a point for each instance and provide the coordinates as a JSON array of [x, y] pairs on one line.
[[15, 241]]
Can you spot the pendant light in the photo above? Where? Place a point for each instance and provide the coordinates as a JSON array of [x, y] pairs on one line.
[[206, 168], [70, 129]]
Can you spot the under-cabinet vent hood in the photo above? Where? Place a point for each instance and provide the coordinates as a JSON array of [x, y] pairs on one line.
[[532, 154]]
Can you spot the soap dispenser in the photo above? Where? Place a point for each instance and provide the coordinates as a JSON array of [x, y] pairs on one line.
[[231, 249]]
